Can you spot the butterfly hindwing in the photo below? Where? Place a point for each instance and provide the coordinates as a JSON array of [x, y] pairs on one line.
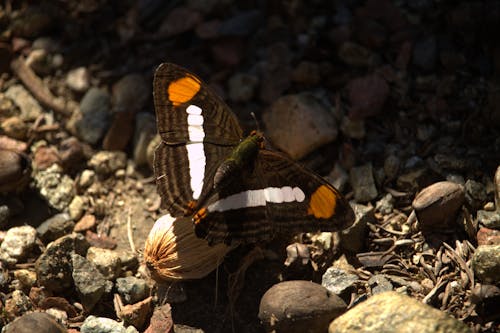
[[197, 130], [274, 194]]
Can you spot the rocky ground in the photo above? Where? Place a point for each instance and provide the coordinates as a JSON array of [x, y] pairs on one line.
[[397, 103]]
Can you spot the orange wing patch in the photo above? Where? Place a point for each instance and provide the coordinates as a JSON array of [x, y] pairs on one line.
[[323, 202], [200, 215], [183, 90]]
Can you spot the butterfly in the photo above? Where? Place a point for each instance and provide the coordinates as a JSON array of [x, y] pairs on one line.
[[232, 187]]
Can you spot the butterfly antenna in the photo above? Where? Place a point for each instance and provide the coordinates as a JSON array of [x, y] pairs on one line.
[[257, 126]]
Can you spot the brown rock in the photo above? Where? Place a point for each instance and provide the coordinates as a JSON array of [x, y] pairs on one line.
[[161, 320], [15, 171], [436, 206], [120, 132], [87, 222], [367, 96], [136, 314], [299, 306], [304, 114], [179, 20], [38, 322], [12, 144], [486, 236], [14, 127], [45, 157], [391, 312], [72, 153]]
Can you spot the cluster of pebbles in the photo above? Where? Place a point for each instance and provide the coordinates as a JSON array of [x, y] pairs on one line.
[[395, 102]]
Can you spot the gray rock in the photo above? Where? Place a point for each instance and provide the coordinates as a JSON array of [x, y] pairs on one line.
[[17, 243], [304, 114], [54, 267], [94, 117], [34, 322], [363, 183], [56, 187], [354, 129], [76, 207], [299, 306], [391, 312], [132, 289], [107, 162], [107, 262], [425, 53], [475, 194], [87, 178], [391, 167], [356, 55], [130, 93], [4, 215], [129, 260], [489, 219], [145, 131], [353, 238], [55, 227], [89, 282], [242, 87], [30, 109], [385, 205], [78, 79], [338, 281], [17, 304], [437, 205], [178, 328], [94, 324], [486, 263], [379, 284]]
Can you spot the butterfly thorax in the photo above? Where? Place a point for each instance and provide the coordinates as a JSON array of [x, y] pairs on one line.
[[242, 156]]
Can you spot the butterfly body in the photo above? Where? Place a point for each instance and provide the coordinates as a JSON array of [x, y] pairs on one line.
[[232, 186]]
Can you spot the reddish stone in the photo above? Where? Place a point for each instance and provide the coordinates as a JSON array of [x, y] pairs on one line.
[[87, 222], [45, 157], [486, 236], [120, 132], [161, 320], [367, 96], [102, 241]]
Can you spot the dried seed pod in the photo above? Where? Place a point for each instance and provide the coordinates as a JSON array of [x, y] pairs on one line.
[[15, 171], [173, 252]]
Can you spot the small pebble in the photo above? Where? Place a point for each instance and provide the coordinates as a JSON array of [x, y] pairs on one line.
[[338, 281], [299, 306], [363, 183], [87, 178], [145, 131], [353, 238], [304, 114], [132, 289], [486, 263], [489, 219], [87, 222], [35, 322], [53, 267], [94, 117], [18, 243], [30, 109], [77, 207], [437, 205], [57, 188], [94, 324], [78, 79], [383, 312], [107, 262], [108, 162], [486, 236], [17, 304], [475, 194], [242, 87], [89, 282], [55, 227]]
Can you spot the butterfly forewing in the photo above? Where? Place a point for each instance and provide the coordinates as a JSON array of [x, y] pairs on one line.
[[197, 130]]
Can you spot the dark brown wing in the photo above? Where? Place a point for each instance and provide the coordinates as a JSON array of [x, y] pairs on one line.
[[309, 203]]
